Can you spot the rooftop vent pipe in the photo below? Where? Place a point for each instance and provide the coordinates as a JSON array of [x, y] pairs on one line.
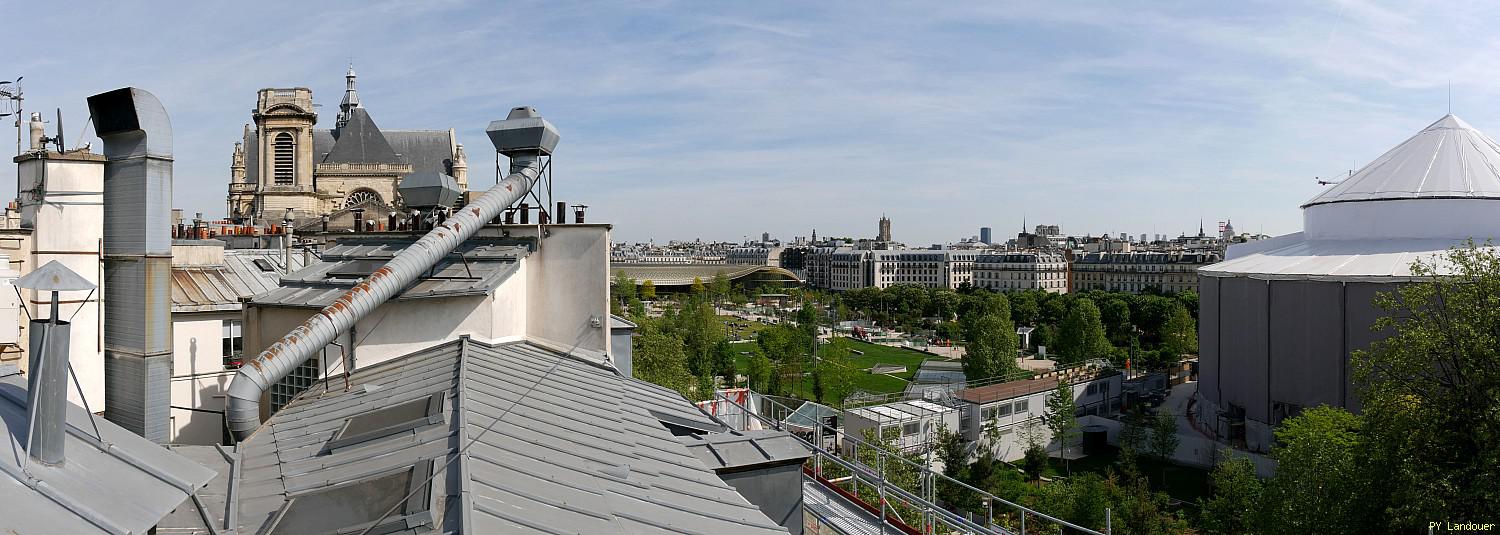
[[524, 137], [137, 259], [47, 380]]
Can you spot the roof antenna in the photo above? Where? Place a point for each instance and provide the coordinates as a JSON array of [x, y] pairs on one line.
[[1450, 96]]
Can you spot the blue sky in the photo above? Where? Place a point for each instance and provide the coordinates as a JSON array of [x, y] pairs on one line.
[[718, 121]]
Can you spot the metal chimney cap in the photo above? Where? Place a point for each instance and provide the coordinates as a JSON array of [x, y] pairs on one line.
[[53, 277], [523, 131]]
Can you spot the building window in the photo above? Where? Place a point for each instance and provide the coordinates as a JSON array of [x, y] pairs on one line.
[[910, 429], [284, 158], [1021, 406], [234, 343]]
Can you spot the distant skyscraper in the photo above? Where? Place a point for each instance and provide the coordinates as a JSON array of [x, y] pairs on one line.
[[984, 235], [885, 229], [765, 237]]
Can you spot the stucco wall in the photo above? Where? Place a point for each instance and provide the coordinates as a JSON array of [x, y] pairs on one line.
[[198, 377], [568, 285], [69, 228]]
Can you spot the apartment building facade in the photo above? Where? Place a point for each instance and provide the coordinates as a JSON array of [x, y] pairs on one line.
[[1134, 272], [1011, 271]]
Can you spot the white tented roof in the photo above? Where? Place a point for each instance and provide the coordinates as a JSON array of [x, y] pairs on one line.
[[1294, 257], [1448, 159]]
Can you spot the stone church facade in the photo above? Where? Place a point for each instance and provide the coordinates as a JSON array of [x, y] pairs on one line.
[[283, 162]]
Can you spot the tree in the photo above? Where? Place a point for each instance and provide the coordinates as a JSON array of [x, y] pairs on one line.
[[1133, 433], [1179, 335], [1024, 309], [700, 330], [648, 290], [1081, 335], [991, 350], [1321, 483], [1164, 440], [719, 286], [1061, 418], [723, 360], [658, 358], [833, 374], [759, 371], [623, 287], [1233, 507], [953, 451], [1431, 411], [1115, 315], [636, 308]]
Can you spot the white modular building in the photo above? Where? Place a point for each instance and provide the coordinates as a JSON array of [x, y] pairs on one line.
[[913, 425], [1280, 317]]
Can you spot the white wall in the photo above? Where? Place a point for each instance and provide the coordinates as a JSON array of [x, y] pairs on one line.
[[69, 228], [198, 377], [568, 287]]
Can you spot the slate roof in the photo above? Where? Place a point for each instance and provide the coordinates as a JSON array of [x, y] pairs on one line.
[[485, 264], [360, 141], [425, 150], [572, 447], [125, 481]]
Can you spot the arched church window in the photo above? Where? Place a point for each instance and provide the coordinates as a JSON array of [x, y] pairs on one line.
[[361, 196], [284, 159]]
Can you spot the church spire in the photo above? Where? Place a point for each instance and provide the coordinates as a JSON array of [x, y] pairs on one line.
[[351, 98]]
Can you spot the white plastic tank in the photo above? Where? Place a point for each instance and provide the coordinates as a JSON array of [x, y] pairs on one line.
[[10, 304]]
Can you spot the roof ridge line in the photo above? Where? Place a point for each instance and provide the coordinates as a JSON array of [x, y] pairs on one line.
[[460, 419]]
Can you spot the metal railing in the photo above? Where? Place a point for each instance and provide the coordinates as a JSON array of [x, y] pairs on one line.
[[951, 389], [923, 501]]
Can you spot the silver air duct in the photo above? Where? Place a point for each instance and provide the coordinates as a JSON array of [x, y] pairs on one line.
[[524, 137], [137, 259]]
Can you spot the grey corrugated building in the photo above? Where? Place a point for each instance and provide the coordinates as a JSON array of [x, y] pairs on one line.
[[1279, 318]]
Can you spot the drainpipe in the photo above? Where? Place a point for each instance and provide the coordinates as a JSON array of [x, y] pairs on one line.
[[525, 138], [137, 139]]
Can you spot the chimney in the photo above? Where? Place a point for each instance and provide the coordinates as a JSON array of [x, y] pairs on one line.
[[137, 139], [47, 378], [562, 213]]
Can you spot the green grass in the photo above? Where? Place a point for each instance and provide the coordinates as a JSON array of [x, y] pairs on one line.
[[873, 354], [747, 328]]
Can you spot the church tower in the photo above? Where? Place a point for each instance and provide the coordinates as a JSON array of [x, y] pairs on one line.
[[284, 121], [351, 99]]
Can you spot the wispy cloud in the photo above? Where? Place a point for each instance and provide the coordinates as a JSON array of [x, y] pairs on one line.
[[685, 120]]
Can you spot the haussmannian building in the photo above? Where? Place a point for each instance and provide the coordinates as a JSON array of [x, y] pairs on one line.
[[1011, 271], [1134, 272]]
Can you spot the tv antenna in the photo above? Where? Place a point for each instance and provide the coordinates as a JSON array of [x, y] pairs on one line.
[[11, 90], [1331, 182]]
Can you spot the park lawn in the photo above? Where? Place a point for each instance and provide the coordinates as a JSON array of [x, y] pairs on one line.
[[745, 333], [873, 354]]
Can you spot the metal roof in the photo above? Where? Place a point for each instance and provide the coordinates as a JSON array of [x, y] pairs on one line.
[[1448, 159], [578, 450], [901, 410], [122, 481], [244, 273], [729, 452], [477, 267]]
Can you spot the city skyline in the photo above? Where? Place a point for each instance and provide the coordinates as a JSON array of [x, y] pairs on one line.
[[785, 119]]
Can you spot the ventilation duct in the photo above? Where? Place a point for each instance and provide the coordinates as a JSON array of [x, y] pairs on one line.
[[137, 140], [524, 137]]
